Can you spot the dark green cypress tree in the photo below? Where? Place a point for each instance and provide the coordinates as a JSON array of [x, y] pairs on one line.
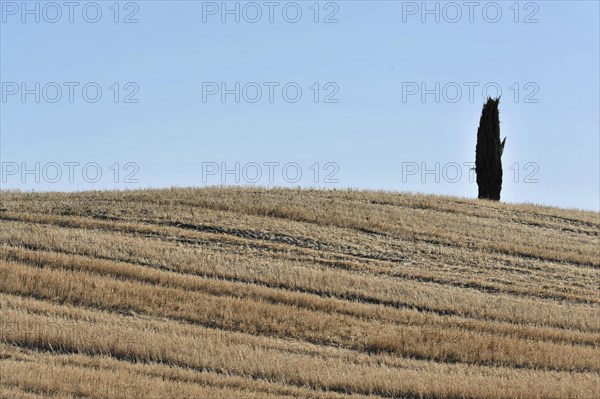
[[488, 162]]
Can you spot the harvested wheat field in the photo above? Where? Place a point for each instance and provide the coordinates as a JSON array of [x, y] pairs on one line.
[[255, 293]]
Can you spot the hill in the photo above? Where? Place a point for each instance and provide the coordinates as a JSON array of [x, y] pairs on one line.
[[254, 293]]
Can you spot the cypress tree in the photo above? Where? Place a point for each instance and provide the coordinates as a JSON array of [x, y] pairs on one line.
[[488, 152]]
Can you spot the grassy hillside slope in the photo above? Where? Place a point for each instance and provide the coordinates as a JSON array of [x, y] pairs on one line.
[[251, 293]]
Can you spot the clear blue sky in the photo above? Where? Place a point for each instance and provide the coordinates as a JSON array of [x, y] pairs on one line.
[[370, 61]]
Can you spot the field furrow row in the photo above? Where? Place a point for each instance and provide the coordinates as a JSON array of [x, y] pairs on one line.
[[332, 369], [257, 317]]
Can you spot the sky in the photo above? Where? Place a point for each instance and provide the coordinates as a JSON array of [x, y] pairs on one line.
[[341, 94]]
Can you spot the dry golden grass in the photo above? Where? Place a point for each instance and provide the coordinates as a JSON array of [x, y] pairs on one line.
[[231, 293]]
